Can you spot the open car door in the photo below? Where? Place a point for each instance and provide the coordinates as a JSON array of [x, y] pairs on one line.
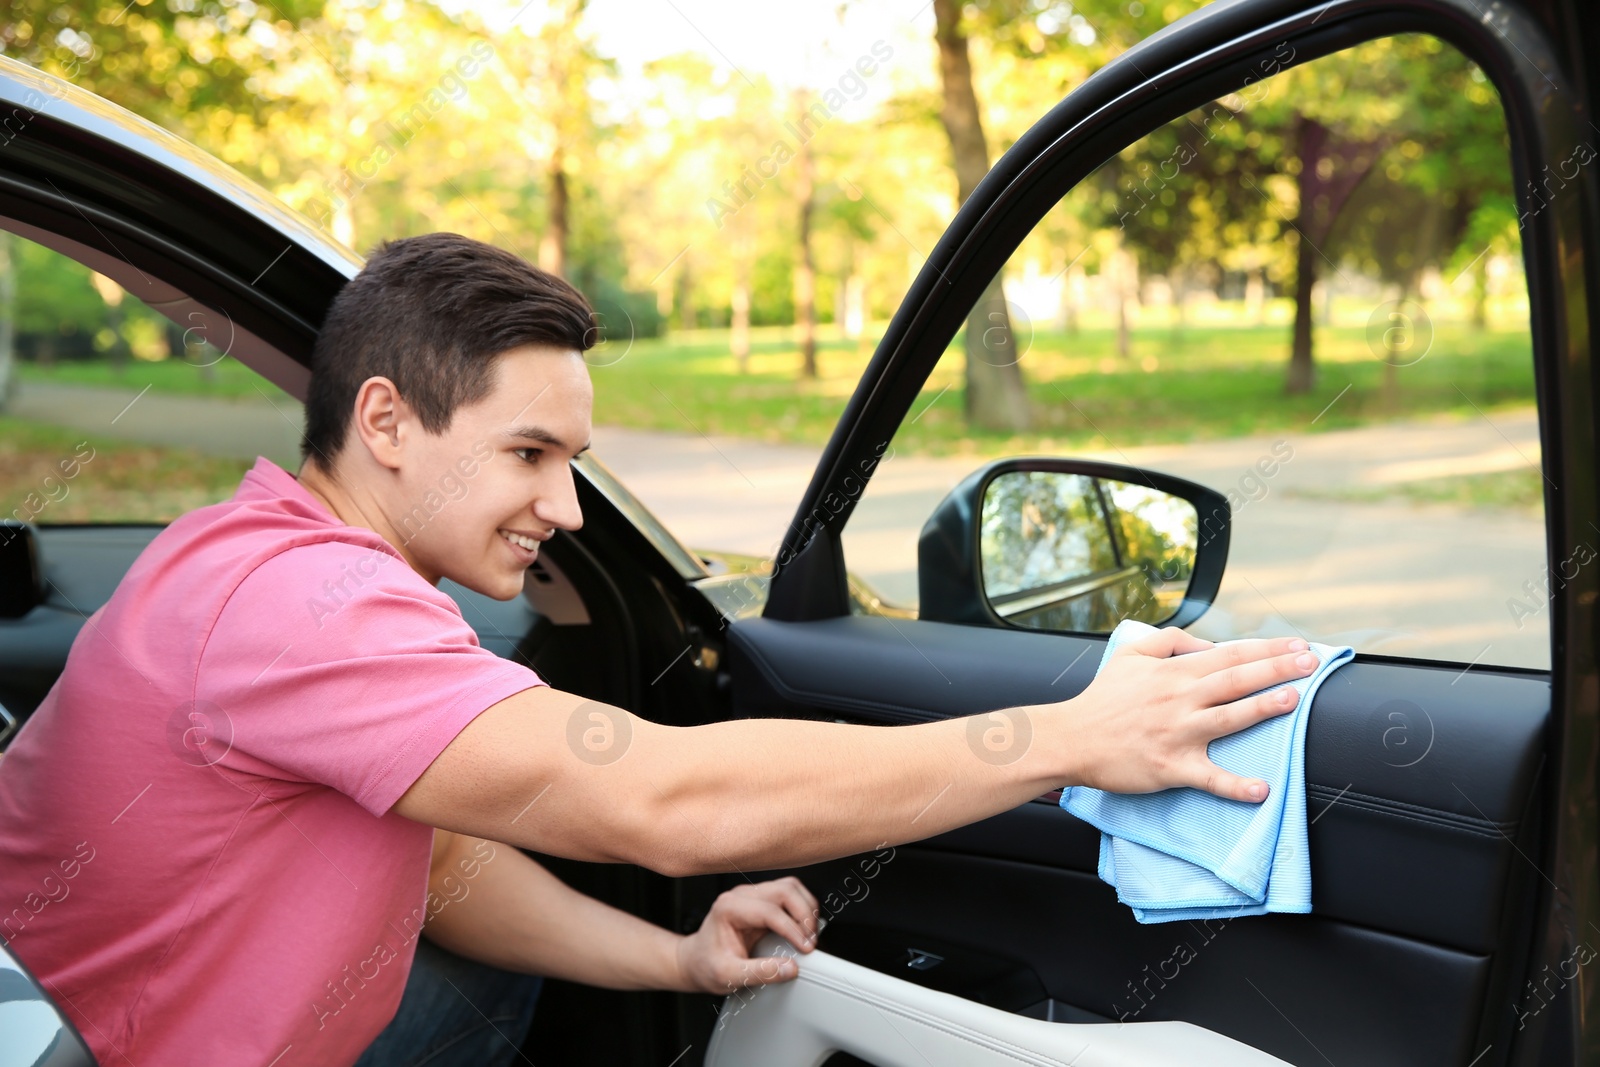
[[1454, 881]]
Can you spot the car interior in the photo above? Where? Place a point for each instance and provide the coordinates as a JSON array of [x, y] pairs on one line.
[[996, 942]]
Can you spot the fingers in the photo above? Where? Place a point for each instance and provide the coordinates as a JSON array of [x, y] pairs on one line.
[[1252, 673], [1248, 650], [1241, 714], [782, 905], [796, 904], [768, 970], [1165, 642], [1224, 783]]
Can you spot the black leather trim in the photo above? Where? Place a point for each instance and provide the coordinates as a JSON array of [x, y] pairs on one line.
[[1418, 777], [1307, 989]]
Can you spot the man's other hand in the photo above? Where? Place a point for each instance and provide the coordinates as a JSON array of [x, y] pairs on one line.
[[716, 958]]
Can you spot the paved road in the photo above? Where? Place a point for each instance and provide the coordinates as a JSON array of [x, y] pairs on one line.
[[244, 428], [1387, 577], [1390, 577]]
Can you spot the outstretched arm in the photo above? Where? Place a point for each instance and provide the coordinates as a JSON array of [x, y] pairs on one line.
[[571, 777]]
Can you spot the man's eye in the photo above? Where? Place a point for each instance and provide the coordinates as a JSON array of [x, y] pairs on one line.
[[532, 454]]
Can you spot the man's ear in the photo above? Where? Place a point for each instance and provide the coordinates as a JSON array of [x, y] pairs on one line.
[[380, 419]]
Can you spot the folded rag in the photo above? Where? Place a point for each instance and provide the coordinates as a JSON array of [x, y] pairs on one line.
[[1186, 854]]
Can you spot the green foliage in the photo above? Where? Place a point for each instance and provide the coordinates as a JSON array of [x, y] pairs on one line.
[[303, 95], [54, 294]]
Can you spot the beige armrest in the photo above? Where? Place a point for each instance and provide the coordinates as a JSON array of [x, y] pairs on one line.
[[837, 1006]]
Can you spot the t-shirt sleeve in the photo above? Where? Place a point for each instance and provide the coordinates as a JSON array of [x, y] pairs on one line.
[[336, 663]]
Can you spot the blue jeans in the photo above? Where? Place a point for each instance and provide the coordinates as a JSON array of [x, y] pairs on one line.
[[456, 1012]]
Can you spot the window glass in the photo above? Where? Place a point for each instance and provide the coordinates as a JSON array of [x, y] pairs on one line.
[[1309, 296], [112, 412]]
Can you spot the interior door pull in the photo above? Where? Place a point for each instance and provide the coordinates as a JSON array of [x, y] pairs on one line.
[[838, 1006]]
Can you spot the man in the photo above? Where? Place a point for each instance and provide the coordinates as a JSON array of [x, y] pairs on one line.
[[278, 750]]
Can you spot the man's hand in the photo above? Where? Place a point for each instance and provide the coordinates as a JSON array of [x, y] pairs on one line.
[[1144, 723], [716, 958]]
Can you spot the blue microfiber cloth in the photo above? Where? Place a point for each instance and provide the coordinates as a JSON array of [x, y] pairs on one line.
[[1186, 854]]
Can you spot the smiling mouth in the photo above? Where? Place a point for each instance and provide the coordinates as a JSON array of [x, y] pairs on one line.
[[520, 541]]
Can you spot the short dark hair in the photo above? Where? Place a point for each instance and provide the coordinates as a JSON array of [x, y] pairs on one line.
[[431, 313]]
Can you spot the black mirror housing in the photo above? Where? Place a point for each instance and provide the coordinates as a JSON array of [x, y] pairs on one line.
[[950, 578], [21, 579]]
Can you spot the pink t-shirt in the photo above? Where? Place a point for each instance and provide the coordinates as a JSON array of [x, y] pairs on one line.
[[197, 855]]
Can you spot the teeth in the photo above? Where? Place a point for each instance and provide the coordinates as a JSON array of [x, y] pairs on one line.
[[517, 539]]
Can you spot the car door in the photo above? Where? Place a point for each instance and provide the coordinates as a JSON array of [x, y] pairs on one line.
[[1455, 895]]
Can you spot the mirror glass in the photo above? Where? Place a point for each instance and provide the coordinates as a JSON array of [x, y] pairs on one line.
[[1064, 551]]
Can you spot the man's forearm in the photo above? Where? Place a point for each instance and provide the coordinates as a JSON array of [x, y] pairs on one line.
[[760, 794], [497, 906], [747, 794]]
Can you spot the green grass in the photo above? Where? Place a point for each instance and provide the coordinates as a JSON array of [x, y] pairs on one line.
[[1515, 490], [1209, 383], [229, 378], [1205, 384], [53, 475]]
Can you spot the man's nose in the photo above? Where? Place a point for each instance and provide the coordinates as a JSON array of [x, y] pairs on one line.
[[559, 507]]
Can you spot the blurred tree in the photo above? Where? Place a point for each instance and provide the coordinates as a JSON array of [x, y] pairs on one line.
[[8, 318], [805, 271], [995, 396], [172, 61], [555, 68], [1395, 108]]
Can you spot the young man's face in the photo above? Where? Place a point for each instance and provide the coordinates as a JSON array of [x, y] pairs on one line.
[[498, 475]]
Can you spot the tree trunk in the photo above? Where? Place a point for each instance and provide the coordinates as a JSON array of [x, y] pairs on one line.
[[996, 398], [1480, 294], [118, 352], [1312, 138], [1071, 296], [993, 396], [1178, 280], [739, 342], [1255, 297], [805, 271], [688, 317], [1322, 197], [1124, 335], [8, 320], [1302, 373], [553, 245]]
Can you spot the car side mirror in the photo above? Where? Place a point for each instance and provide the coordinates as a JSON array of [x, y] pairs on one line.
[[21, 580], [1072, 545]]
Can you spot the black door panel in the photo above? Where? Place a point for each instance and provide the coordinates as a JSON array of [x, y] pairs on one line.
[[1306, 989], [1421, 783]]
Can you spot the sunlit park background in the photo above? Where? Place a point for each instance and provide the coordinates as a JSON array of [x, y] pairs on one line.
[[745, 196]]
